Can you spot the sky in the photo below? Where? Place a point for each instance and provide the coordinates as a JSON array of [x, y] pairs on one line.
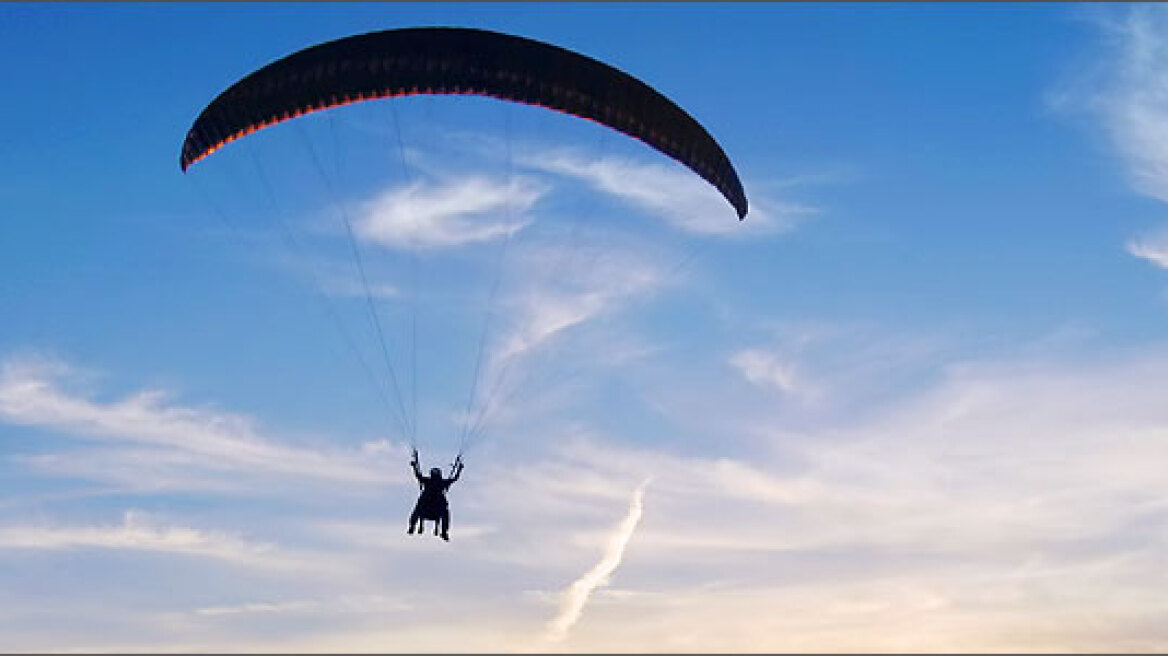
[[913, 402]]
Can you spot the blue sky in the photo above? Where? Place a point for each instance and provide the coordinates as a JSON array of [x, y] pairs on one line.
[[912, 402]]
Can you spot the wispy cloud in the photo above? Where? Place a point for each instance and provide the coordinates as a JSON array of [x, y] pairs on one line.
[[344, 604], [670, 192], [1152, 247], [1007, 491], [150, 429], [554, 295], [765, 368], [1129, 92], [469, 210], [794, 374], [650, 183], [138, 532], [1134, 94], [576, 595]]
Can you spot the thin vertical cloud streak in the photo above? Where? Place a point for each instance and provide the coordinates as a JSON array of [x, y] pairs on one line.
[[576, 595]]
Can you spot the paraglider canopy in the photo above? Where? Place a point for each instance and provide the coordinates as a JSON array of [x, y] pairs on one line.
[[446, 60]]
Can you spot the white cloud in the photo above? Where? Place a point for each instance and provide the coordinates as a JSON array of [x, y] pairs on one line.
[[1130, 93], [297, 606], [576, 595], [1011, 490], [152, 435], [1135, 101], [1152, 247], [670, 192], [473, 209], [995, 460], [1014, 505], [139, 533], [765, 368], [343, 604], [554, 296], [551, 296], [650, 183]]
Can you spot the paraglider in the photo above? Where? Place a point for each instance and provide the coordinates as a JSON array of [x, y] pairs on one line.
[[455, 61], [432, 503]]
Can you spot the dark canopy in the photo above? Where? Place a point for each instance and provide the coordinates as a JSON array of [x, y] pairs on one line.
[[460, 61]]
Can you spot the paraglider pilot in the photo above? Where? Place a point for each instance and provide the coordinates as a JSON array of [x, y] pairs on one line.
[[432, 503]]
